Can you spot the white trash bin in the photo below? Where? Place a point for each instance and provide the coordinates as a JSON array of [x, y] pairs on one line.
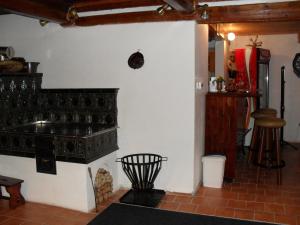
[[213, 170]]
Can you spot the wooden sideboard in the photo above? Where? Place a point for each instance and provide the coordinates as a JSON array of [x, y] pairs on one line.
[[224, 122]]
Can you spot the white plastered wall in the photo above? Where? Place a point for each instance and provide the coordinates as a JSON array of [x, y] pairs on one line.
[[156, 104], [201, 88]]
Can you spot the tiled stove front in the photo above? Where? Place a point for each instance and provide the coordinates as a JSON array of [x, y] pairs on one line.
[[50, 125]]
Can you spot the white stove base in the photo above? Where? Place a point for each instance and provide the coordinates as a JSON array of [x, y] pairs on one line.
[[69, 188]]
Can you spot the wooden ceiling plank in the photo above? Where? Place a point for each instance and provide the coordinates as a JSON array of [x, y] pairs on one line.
[[284, 11], [36, 9], [181, 5], [95, 5]]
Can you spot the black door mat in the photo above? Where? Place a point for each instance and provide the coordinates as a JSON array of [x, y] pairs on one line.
[[149, 198]]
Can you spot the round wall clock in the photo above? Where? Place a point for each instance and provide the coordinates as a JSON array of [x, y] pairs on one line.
[[296, 64]]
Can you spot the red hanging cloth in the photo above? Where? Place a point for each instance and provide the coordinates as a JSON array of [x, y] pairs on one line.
[[253, 70], [241, 79], [253, 73]]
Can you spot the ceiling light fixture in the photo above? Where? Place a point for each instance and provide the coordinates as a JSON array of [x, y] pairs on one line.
[[204, 14], [162, 9], [231, 36], [72, 15], [43, 22], [218, 36]]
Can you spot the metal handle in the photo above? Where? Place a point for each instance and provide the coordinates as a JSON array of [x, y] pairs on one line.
[[118, 160]]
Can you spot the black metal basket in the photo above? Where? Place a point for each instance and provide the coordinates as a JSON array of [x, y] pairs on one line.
[[142, 169]]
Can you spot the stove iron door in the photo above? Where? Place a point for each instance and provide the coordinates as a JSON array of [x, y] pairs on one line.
[[45, 157]]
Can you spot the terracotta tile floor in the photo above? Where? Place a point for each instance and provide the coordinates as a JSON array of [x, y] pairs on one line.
[[245, 199], [242, 199]]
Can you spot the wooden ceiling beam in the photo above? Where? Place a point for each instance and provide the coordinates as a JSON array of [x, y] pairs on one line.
[[37, 9], [266, 12], [181, 5], [261, 28], [52, 11], [133, 17], [95, 5], [287, 11]]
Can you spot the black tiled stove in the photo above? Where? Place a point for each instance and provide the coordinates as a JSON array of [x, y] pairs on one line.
[[71, 125]]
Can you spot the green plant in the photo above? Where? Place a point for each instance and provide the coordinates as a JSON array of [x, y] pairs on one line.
[[219, 79]]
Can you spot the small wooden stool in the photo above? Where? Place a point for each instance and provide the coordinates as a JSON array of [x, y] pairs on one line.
[[260, 113], [269, 128], [266, 111], [13, 187]]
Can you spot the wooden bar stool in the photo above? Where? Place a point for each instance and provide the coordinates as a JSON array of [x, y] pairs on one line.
[[269, 156], [13, 187], [266, 111], [260, 113]]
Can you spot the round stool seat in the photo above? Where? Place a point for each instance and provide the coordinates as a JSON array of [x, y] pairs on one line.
[[262, 114], [267, 110], [270, 122]]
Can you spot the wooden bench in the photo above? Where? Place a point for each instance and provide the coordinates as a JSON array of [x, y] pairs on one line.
[[13, 187]]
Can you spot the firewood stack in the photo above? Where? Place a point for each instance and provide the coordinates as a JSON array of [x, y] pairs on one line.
[[103, 185]]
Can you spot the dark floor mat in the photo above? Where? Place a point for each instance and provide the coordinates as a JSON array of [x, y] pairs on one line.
[[123, 214]]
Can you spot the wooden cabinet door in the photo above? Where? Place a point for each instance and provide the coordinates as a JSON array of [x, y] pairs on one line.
[[220, 129], [213, 126], [230, 136]]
